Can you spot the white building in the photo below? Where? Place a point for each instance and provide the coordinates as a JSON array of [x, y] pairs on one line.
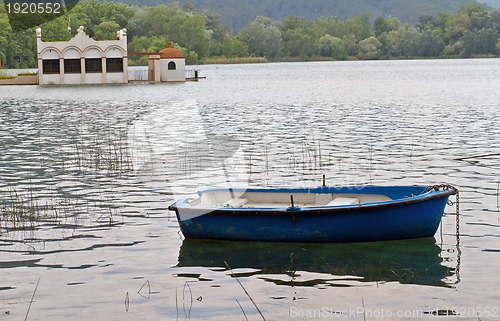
[[167, 65], [172, 64], [82, 60]]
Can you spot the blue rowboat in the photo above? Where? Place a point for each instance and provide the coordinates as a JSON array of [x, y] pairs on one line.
[[322, 214]]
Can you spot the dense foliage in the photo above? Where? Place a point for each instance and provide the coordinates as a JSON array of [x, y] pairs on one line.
[[238, 14], [200, 34]]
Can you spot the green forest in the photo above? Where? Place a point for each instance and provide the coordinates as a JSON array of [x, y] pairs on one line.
[[472, 32], [238, 14]]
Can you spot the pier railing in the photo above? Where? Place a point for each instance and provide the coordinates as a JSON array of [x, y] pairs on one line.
[[138, 74]]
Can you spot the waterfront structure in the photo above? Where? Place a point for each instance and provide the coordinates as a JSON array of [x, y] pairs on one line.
[[172, 64], [82, 60], [167, 65]]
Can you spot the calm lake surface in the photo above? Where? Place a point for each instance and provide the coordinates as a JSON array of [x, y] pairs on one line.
[[87, 174]]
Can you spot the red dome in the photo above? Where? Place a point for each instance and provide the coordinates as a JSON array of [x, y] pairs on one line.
[[169, 52]]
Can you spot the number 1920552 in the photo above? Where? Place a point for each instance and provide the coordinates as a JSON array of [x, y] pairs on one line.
[[31, 8]]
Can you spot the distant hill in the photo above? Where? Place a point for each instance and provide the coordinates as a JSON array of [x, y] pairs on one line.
[[237, 14], [492, 3]]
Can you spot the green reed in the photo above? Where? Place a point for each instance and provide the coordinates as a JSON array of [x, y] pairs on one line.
[[19, 209], [25, 209], [107, 151]]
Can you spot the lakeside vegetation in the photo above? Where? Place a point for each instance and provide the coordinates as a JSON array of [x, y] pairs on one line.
[[238, 14], [201, 37]]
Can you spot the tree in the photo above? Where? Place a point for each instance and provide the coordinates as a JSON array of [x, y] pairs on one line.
[[296, 23], [161, 19], [117, 12], [472, 8], [263, 37], [240, 49], [5, 35], [227, 47], [454, 50], [407, 44], [214, 25], [482, 41], [351, 45], [193, 35], [330, 46], [359, 26], [382, 25], [329, 26], [388, 41], [455, 26], [429, 45], [297, 43], [233, 47], [139, 24], [426, 20], [369, 48], [106, 30], [298, 40], [386, 32]]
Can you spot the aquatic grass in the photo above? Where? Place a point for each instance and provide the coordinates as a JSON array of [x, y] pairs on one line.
[[249, 154], [370, 152], [364, 309], [107, 151], [32, 298], [19, 210], [244, 290], [498, 194], [304, 154], [25, 209], [266, 157], [187, 314], [308, 155], [148, 295], [106, 216], [127, 302]]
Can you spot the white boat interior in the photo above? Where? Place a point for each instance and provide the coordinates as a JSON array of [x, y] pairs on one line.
[[246, 199]]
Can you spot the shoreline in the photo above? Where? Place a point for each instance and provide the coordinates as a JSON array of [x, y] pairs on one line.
[[245, 61], [230, 61]]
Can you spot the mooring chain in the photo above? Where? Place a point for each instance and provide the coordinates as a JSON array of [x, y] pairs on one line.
[[459, 252], [457, 201]]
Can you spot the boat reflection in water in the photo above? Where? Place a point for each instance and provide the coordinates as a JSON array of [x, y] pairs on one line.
[[416, 261]]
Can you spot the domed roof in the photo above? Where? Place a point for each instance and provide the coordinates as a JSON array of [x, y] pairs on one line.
[[169, 52]]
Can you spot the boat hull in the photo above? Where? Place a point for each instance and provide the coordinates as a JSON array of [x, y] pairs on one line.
[[414, 217]]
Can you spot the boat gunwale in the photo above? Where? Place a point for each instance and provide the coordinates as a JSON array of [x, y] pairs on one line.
[[278, 211]]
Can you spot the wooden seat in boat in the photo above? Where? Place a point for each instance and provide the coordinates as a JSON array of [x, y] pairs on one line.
[[339, 201]]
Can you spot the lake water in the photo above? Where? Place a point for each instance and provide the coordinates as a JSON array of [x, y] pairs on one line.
[[87, 174]]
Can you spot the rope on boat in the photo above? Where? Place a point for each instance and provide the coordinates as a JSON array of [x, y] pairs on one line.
[[457, 202]]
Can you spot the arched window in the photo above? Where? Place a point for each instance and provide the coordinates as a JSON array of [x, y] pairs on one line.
[[171, 65]]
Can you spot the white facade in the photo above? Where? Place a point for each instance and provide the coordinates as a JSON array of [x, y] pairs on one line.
[[82, 60], [173, 69]]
